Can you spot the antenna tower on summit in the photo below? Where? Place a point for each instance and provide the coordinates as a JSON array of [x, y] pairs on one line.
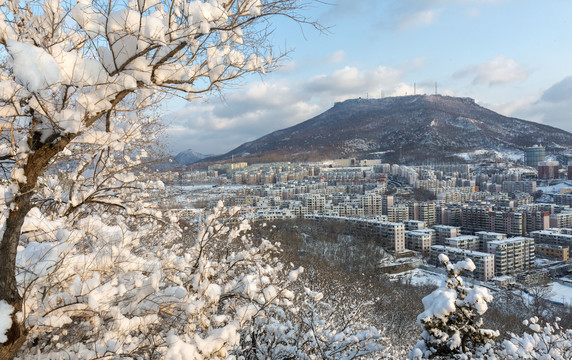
[[435, 87]]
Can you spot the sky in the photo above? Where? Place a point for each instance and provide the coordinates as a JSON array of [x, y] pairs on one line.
[[511, 56]]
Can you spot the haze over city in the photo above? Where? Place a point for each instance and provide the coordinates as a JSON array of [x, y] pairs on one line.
[[506, 54]]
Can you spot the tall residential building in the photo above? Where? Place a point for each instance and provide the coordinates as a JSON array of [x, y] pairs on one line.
[[467, 242], [484, 262], [387, 201], [537, 220], [393, 236], [548, 170], [562, 199], [475, 218], [419, 241], [533, 155], [412, 225], [508, 222], [427, 213], [561, 220], [398, 213], [372, 204], [512, 255], [486, 236], [445, 231], [522, 186], [553, 236]]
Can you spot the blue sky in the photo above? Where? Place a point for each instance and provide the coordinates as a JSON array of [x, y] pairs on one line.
[[512, 56]]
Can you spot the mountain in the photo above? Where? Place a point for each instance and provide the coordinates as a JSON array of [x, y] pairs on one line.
[[188, 157], [401, 129]]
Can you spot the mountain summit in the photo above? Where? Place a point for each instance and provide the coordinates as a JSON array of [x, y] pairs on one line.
[[188, 157], [407, 129]]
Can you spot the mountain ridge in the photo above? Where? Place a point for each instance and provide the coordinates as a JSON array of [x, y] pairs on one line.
[[408, 128]]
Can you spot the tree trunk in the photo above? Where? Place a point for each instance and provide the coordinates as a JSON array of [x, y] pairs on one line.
[[38, 158], [8, 287]]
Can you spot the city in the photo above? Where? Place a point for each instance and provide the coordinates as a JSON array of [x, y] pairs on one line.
[[514, 220]]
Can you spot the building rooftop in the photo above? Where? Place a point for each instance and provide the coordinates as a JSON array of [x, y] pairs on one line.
[[461, 251], [509, 240]]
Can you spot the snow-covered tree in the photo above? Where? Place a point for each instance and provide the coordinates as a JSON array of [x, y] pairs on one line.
[[451, 322], [311, 332], [546, 341], [69, 68]]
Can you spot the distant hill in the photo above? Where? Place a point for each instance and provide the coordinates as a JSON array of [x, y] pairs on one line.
[[401, 129], [188, 157]]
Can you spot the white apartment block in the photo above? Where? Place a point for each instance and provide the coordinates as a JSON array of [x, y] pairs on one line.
[[553, 236], [561, 220], [512, 255], [372, 204], [484, 262], [398, 213], [467, 242], [419, 241], [314, 202], [412, 225], [446, 231], [393, 236], [486, 236], [522, 186], [273, 213]]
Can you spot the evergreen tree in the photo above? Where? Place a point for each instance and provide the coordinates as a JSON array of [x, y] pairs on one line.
[[452, 319]]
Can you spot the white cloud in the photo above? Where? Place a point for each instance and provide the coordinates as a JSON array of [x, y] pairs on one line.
[[551, 107], [219, 125], [336, 57], [420, 18], [351, 82], [500, 70]]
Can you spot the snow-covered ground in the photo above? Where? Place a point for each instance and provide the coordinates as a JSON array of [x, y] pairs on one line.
[[541, 263], [510, 155], [420, 277], [561, 293], [555, 189]]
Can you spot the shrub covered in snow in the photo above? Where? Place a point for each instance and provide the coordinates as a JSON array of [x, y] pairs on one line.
[[451, 321], [545, 341]]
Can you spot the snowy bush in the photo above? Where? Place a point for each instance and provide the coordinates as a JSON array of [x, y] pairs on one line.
[[546, 341], [310, 331], [107, 286], [451, 321]]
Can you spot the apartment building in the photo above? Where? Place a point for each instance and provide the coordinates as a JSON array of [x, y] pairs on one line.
[[445, 231], [561, 237], [399, 213], [372, 204], [562, 199], [537, 220], [561, 220], [467, 242], [484, 262], [314, 202], [419, 241], [393, 236], [554, 252], [512, 255], [519, 186], [548, 170], [475, 218], [508, 222], [427, 213], [486, 236], [411, 225]]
